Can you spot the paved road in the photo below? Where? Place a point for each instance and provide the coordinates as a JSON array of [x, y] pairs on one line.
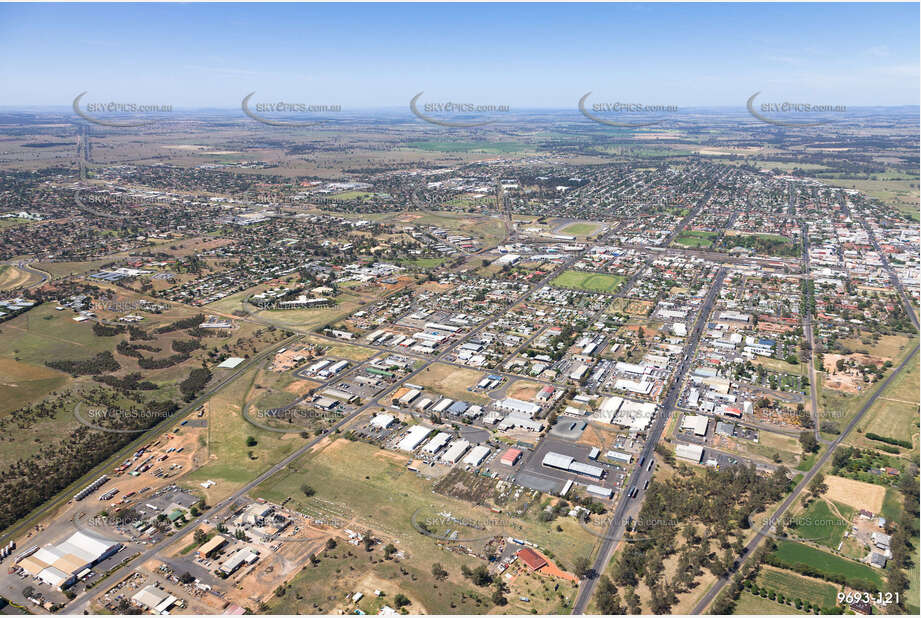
[[641, 473], [785, 505]]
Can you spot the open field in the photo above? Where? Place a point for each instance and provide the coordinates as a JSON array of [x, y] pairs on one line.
[[592, 282], [792, 553], [230, 462], [856, 494], [797, 586], [343, 350], [372, 488], [824, 523]]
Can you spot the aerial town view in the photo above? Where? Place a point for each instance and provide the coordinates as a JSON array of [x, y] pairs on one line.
[[459, 308]]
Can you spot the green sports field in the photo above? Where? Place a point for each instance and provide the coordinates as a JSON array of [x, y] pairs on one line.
[[590, 282], [699, 239]]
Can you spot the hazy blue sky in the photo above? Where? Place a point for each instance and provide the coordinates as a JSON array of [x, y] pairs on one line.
[[522, 55]]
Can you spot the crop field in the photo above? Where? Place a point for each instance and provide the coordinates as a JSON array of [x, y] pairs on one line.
[[591, 282], [791, 553], [699, 239], [797, 586]]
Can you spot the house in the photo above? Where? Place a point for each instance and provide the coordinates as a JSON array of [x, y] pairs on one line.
[[531, 558]]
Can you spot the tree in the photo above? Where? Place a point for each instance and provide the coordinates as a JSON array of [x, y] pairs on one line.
[[808, 441], [582, 567], [200, 536], [439, 572], [330, 543], [251, 441], [817, 486], [308, 490], [401, 600]]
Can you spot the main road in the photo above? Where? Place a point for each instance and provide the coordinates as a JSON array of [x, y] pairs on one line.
[[642, 473]]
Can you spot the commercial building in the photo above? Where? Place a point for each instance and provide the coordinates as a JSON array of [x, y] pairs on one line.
[[59, 565], [691, 452], [697, 423]]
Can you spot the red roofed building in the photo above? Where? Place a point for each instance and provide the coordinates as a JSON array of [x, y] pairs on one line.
[[531, 558], [510, 457]]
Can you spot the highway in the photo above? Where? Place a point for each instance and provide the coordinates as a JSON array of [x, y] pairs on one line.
[[641, 473]]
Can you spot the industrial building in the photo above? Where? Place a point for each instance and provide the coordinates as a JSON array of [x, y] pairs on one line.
[[691, 452], [62, 564], [569, 464], [413, 438]]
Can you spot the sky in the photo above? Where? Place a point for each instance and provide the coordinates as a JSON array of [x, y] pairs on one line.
[[526, 56]]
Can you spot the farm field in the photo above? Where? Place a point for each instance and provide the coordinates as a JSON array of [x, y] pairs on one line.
[[592, 282], [791, 553], [856, 494], [797, 586]]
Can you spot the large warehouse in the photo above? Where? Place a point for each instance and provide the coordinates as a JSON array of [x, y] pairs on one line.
[[60, 565], [569, 464]]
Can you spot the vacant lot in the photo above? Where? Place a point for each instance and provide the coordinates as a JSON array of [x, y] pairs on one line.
[[451, 382], [592, 282]]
